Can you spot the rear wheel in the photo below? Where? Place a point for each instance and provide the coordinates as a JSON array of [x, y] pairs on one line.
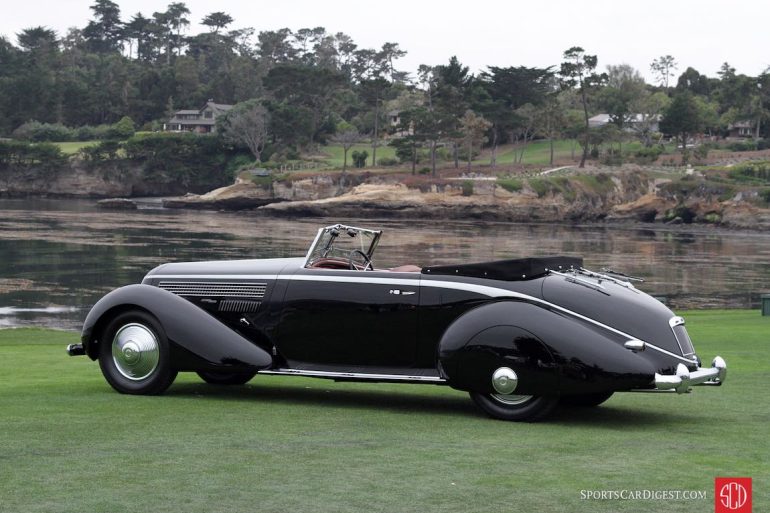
[[226, 378], [134, 354], [528, 408], [585, 400]]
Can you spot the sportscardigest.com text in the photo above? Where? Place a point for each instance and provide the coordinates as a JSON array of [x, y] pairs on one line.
[[643, 495]]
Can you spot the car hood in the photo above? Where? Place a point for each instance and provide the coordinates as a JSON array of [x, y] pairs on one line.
[[242, 268]]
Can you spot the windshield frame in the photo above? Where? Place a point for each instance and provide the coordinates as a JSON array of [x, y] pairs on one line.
[[324, 241]]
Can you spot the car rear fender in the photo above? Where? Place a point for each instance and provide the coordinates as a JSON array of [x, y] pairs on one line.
[[187, 327], [550, 352]]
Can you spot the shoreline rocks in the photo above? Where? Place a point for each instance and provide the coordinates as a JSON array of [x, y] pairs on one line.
[[117, 204]]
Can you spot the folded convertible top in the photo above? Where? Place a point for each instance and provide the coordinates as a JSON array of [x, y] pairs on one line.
[[508, 270]]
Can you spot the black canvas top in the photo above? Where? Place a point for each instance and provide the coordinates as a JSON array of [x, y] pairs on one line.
[[508, 270]]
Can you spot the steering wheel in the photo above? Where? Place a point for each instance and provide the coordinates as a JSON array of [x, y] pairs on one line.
[[367, 262]]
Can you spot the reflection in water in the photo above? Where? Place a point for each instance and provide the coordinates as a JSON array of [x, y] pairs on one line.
[[62, 256]]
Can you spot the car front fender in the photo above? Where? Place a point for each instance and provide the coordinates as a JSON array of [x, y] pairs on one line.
[[186, 326]]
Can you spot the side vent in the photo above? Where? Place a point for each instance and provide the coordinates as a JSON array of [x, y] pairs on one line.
[[215, 289], [232, 305]]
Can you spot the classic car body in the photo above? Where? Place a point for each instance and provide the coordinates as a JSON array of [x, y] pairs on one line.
[[518, 335]]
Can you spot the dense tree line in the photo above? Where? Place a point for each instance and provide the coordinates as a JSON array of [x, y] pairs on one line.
[[308, 86]]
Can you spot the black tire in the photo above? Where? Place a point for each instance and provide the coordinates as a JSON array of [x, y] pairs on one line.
[[517, 408], [143, 366], [585, 400], [226, 378]]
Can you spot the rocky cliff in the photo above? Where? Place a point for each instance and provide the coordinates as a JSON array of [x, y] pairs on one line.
[[632, 196], [79, 179]]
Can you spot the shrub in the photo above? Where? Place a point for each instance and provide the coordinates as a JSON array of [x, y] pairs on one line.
[[701, 151], [359, 158], [239, 162], [467, 187], [647, 155], [742, 146], [35, 131], [557, 185], [541, 186], [19, 153], [123, 129], [751, 172], [292, 153], [600, 183], [85, 133], [387, 161], [510, 184], [444, 154], [105, 150], [424, 171]]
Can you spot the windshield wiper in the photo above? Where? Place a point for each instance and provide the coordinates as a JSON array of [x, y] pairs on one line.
[[333, 234], [574, 278]]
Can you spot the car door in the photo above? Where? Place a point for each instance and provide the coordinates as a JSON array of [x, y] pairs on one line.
[[350, 318]]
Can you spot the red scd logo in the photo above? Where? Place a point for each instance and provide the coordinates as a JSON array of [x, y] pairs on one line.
[[732, 495]]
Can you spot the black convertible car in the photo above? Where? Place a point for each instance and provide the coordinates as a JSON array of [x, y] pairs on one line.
[[519, 335]]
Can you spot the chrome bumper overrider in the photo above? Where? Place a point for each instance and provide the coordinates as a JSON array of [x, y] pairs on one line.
[[75, 350], [684, 378]]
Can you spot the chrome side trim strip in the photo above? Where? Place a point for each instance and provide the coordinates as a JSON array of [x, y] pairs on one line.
[[297, 277], [468, 287], [353, 375]]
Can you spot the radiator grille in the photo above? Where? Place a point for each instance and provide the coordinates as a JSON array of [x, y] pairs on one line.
[[218, 289], [240, 306], [684, 340]]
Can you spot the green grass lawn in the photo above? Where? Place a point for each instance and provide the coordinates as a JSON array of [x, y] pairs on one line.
[[70, 148], [536, 153], [280, 444], [335, 154]]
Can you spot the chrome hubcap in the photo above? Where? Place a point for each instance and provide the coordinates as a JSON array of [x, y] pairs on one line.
[[511, 400], [505, 380], [135, 351]]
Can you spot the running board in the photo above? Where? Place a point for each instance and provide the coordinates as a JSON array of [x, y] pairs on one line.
[[355, 376]]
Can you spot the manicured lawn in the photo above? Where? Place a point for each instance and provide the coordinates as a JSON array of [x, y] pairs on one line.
[[536, 153], [69, 443], [539, 153], [336, 154], [70, 148]]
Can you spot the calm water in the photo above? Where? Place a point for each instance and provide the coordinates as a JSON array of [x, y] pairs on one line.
[[59, 257]]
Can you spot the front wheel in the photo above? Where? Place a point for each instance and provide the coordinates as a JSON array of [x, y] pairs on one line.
[[134, 354], [529, 408], [226, 378]]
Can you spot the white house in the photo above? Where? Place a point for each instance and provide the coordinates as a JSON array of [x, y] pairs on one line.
[[202, 121], [633, 121]]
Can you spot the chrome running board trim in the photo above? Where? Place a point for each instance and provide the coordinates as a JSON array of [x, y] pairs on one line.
[[353, 375]]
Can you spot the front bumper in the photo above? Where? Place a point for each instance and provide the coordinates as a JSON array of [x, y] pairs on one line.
[[684, 378], [75, 350]]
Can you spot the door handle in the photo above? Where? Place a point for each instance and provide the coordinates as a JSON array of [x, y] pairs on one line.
[[399, 292]]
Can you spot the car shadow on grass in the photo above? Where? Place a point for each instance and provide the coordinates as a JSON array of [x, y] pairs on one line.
[[611, 416], [408, 402], [607, 416]]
